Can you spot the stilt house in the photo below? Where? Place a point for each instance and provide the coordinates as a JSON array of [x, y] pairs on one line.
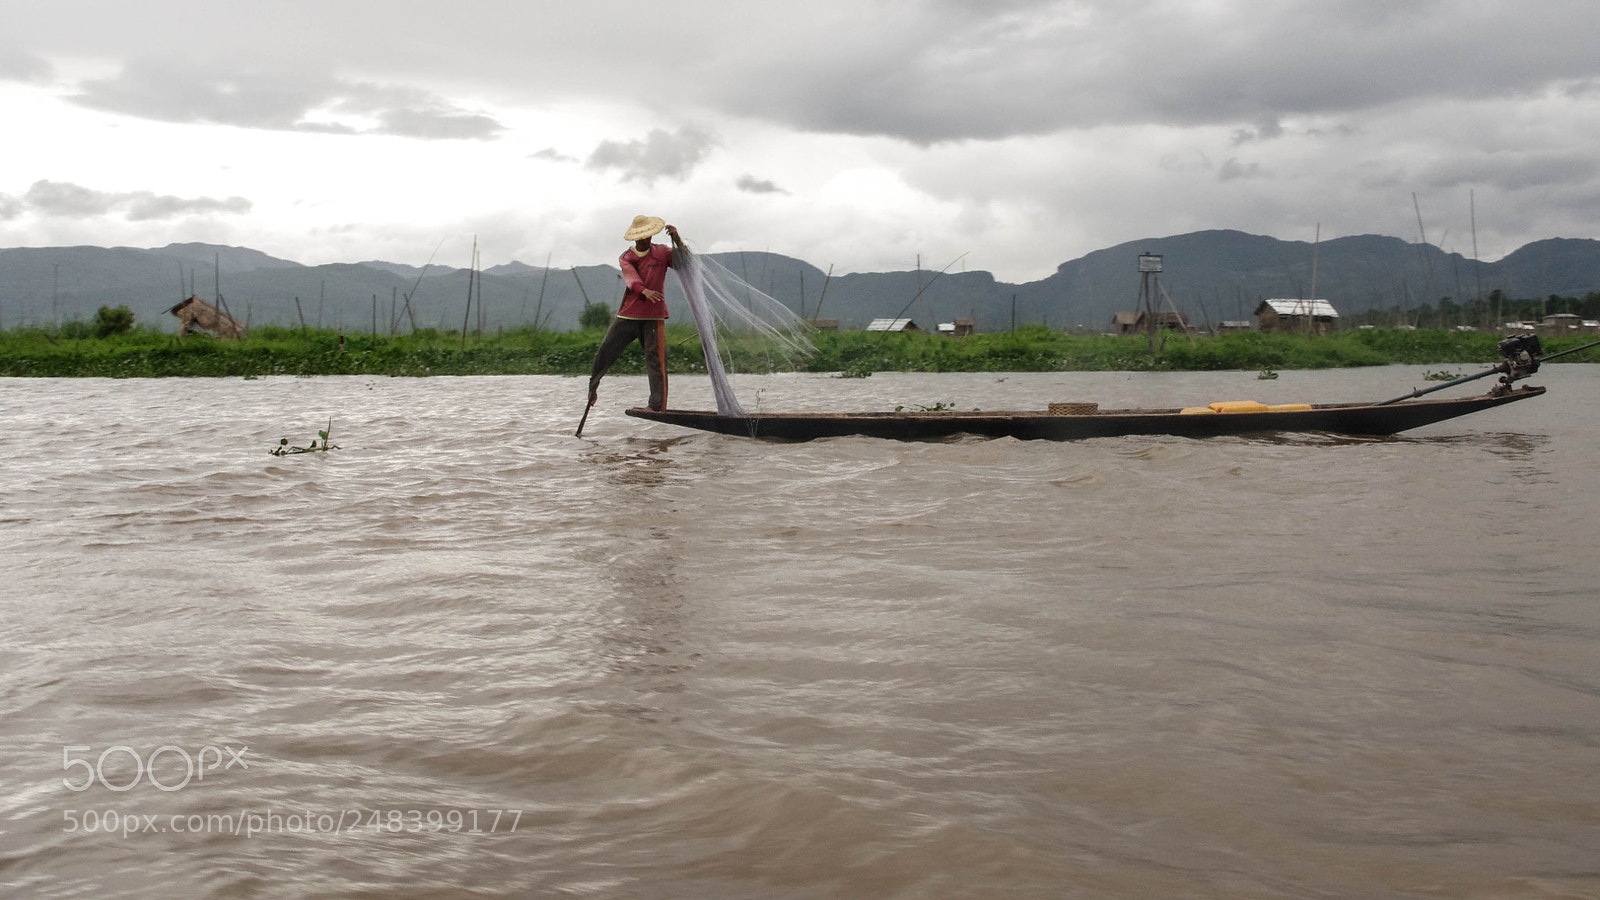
[[1296, 316], [195, 313]]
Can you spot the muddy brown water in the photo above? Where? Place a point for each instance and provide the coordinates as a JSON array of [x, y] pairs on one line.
[[467, 654]]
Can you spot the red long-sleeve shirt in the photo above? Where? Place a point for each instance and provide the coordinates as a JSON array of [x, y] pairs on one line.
[[641, 272]]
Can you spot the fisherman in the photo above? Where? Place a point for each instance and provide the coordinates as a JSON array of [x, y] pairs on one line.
[[643, 315]]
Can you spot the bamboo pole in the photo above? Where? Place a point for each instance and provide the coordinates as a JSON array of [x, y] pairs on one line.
[[580, 285], [466, 315], [825, 279]]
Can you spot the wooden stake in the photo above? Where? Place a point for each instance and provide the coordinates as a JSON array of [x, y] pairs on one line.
[[472, 274], [584, 419]]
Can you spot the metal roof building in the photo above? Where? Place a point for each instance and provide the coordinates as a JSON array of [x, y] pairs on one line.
[[1308, 316], [1315, 308], [892, 325]]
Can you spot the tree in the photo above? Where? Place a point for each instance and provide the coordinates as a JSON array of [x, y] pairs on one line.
[[594, 315], [109, 321], [1450, 312], [1497, 301]]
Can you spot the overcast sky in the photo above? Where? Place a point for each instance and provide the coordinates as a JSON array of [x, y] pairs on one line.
[[855, 134]]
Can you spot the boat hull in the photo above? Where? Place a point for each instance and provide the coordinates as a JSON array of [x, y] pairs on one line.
[[1336, 418]]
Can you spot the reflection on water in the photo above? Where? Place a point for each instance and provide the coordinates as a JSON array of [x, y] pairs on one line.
[[693, 665], [641, 630], [1512, 442]]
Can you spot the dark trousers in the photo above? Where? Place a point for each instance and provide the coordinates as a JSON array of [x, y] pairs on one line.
[[651, 335]]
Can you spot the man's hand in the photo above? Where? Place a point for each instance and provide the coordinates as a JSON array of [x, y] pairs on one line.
[[594, 395], [657, 296]]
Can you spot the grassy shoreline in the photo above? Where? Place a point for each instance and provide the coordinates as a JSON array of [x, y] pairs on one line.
[[146, 353]]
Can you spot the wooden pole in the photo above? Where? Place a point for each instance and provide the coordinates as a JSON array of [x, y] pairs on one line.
[[466, 315], [922, 305], [543, 280], [580, 285], [1149, 310], [1311, 309], [825, 279], [585, 418], [477, 278], [1427, 258], [1472, 209], [222, 304]]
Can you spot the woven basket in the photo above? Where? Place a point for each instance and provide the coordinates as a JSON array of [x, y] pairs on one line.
[[1074, 409]]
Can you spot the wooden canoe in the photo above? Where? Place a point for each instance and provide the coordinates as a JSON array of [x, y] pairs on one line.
[[1336, 418]]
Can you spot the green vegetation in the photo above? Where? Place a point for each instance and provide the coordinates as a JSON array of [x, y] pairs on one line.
[[1490, 313], [283, 448], [594, 315], [74, 350], [110, 321]]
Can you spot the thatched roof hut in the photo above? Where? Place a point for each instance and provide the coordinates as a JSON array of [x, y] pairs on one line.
[[196, 313]]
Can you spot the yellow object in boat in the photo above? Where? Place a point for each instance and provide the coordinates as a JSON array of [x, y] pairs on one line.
[[1227, 406], [1197, 411], [1289, 407]]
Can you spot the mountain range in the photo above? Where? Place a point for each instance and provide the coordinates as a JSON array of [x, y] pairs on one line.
[[1210, 275]]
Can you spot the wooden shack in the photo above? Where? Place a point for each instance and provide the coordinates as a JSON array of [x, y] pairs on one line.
[[194, 313], [1296, 316], [1138, 322], [1564, 324]]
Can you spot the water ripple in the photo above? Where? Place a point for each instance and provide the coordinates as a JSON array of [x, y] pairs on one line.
[[689, 665]]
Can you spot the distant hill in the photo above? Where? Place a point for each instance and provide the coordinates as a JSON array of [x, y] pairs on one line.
[[231, 259], [1220, 275], [1210, 275], [400, 269]]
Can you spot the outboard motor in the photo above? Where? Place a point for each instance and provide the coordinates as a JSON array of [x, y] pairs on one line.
[[1521, 359]]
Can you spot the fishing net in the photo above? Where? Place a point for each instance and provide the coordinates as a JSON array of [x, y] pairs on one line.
[[736, 320]]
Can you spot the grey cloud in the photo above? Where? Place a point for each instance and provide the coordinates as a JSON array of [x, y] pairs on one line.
[[923, 71], [170, 92], [439, 124], [17, 64], [753, 185], [10, 207], [1267, 130], [408, 112], [551, 154], [943, 70], [1381, 178], [70, 200], [1232, 170], [661, 154], [1514, 171], [1580, 90], [278, 100], [143, 207], [54, 198]]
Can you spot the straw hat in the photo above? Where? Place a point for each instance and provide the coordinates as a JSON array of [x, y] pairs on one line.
[[643, 227]]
